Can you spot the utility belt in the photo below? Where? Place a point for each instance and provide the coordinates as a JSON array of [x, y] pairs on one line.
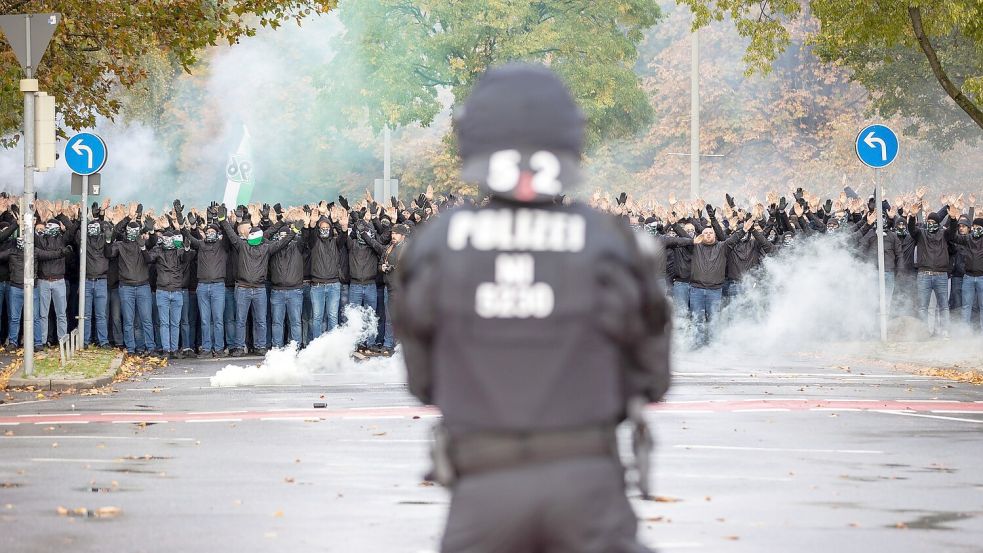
[[484, 452]]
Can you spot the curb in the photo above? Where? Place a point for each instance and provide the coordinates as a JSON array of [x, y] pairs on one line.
[[62, 384]]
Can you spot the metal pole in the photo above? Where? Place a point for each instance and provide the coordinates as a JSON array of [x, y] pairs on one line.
[[880, 255], [29, 87], [694, 120], [386, 164], [83, 254]]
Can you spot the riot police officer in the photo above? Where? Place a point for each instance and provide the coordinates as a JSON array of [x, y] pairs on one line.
[[531, 325]]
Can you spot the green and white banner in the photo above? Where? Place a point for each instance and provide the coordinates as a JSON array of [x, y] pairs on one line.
[[239, 173]]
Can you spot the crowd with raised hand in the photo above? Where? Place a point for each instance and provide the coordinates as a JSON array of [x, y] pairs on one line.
[[212, 281], [206, 281], [929, 254]]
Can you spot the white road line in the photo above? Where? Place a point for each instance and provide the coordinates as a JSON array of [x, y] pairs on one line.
[[274, 386], [762, 374], [179, 378], [137, 422], [905, 414], [761, 410], [133, 413], [52, 415], [956, 411], [63, 460], [100, 438], [686, 412], [778, 449], [388, 441], [63, 422], [213, 420], [9, 423], [295, 419], [834, 409], [349, 417], [909, 400], [215, 412], [724, 477], [23, 402]]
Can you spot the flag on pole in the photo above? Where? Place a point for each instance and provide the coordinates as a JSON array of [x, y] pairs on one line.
[[239, 173]]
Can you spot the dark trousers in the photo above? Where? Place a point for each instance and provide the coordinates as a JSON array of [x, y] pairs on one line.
[[572, 506]]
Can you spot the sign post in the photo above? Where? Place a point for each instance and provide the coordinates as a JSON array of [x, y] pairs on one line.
[[29, 35], [85, 154], [877, 147]]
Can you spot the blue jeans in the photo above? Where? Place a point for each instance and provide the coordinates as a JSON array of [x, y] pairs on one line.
[[4, 286], [955, 293], [230, 316], [938, 285], [15, 309], [189, 319], [287, 303], [169, 305], [52, 291], [705, 305], [343, 303], [732, 288], [680, 298], [325, 301], [364, 295], [972, 295], [115, 317], [306, 330], [136, 304], [389, 341], [96, 303], [255, 298], [211, 308]]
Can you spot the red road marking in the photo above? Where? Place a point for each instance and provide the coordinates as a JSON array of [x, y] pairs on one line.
[[720, 406]]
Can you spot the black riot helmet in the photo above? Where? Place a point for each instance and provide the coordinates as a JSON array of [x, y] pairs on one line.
[[520, 134]]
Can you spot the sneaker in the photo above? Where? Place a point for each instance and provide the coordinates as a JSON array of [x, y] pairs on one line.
[[260, 351], [188, 353], [204, 355], [236, 352], [388, 352], [219, 353]]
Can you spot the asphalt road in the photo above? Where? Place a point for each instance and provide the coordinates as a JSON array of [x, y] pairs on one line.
[[789, 456]]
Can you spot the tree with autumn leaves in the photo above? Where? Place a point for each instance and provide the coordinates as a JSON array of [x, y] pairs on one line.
[[101, 48]]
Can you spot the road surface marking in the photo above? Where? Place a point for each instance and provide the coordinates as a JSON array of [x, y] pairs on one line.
[[835, 409], [23, 402], [213, 420], [63, 437], [63, 422], [762, 410], [63, 460], [9, 423], [779, 449], [906, 414], [300, 419], [215, 412], [662, 474], [133, 414], [52, 415]]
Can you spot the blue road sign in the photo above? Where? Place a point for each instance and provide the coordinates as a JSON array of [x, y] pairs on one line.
[[877, 146], [86, 153]]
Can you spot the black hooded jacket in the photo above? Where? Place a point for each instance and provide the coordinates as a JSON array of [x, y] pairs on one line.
[[252, 262]]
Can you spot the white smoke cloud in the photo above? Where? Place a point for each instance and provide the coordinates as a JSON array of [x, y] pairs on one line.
[[329, 353]]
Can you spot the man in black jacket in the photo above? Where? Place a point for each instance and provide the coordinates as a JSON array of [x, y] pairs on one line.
[[326, 245], [364, 249], [972, 285], [252, 270], [52, 289], [170, 255], [99, 233], [136, 300], [388, 263], [933, 267], [709, 273], [14, 257], [287, 278], [212, 260], [893, 253]]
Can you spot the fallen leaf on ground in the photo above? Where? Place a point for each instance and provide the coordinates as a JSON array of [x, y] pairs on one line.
[[278, 514], [426, 484], [732, 538], [288, 480], [108, 512], [666, 499]]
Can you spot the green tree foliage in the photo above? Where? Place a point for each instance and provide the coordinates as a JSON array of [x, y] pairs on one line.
[[399, 55], [909, 55], [106, 46]]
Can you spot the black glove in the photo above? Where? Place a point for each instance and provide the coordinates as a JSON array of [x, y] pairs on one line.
[[178, 208], [149, 225], [394, 202], [221, 212], [139, 212], [212, 213], [343, 202], [782, 204], [622, 198], [711, 212], [279, 211], [330, 206], [264, 212], [15, 209], [730, 200], [871, 204], [828, 207], [373, 208], [307, 209], [180, 217], [361, 215]]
